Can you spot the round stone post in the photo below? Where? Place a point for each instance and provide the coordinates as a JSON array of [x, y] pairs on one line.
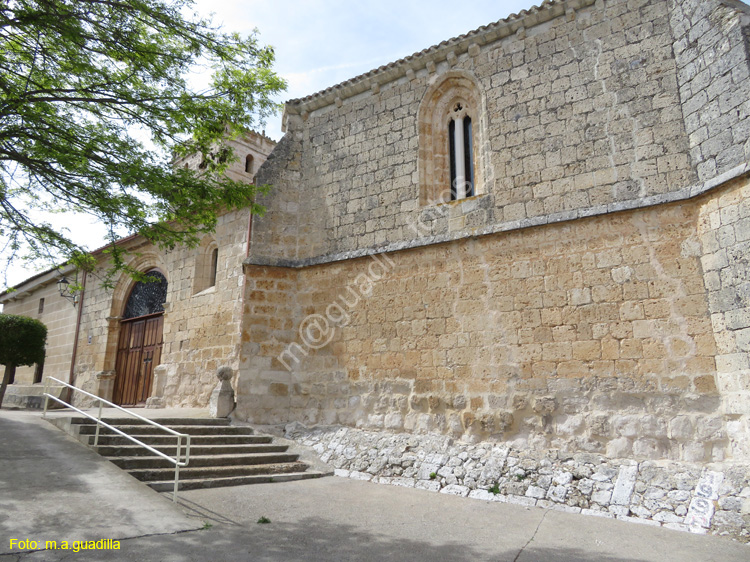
[[222, 398]]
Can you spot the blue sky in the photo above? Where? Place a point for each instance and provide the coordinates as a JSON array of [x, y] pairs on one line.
[[321, 43]]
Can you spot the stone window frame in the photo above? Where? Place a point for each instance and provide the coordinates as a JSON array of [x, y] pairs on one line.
[[206, 266], [448, 90]]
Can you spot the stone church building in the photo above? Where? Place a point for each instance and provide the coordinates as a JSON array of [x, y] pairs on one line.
[[111, 342], [536, 234]]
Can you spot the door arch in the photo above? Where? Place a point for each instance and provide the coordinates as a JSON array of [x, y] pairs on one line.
[[140, 342]]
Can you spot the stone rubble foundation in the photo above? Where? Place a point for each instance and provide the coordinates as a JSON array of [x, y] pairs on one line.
[[677, 495]]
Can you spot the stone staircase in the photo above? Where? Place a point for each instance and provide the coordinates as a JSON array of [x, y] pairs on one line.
[[220, 454]]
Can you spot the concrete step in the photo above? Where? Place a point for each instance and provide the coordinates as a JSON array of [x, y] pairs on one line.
[[162, 421], [221, 454], [202, 461], [172, 440], [136, 430], [198, 483], [137, 450], [189, 473]]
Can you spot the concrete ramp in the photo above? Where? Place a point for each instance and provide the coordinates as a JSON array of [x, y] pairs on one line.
[[54, 489]]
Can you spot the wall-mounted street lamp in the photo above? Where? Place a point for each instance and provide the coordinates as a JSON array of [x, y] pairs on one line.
[[63, 287]]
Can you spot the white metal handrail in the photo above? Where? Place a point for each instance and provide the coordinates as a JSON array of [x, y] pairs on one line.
[[176, 460]]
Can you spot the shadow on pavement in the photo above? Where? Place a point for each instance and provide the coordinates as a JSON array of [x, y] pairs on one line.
[[311, 539], [198, 511]]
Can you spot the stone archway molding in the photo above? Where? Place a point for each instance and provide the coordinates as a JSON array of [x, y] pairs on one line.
[[142, 261]]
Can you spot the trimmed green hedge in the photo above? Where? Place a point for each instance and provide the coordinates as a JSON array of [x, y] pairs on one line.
[[22, 340]]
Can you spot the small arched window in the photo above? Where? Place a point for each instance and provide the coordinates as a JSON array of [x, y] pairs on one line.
[[461, 153], [214, 266], [249, 164], [206, 265], [451, 130]]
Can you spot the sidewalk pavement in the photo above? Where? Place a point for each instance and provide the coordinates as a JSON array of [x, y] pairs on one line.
[[54, 488]]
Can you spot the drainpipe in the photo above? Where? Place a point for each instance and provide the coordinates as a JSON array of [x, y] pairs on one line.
[[249, 233], [71, 376]]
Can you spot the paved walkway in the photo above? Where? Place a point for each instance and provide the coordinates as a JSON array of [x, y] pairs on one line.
[[53, 488]]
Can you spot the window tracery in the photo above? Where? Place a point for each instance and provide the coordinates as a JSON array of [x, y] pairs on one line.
[[450, 134], [147, 297]]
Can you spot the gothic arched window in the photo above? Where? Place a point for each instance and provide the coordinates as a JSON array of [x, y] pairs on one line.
[[450, 133], [147, 297], [460, 153]]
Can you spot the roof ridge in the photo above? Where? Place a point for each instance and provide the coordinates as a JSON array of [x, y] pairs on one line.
[[529, 13]]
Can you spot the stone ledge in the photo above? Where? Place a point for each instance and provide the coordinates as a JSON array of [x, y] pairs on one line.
[[30, 396]]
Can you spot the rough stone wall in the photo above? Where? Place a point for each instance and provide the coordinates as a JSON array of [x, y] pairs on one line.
[[202, 329], [270, 309], [290, 207], [724, 230], [255, 145], [593, 335], [680, 496], [515, 315], [582, 115], [712, 51]]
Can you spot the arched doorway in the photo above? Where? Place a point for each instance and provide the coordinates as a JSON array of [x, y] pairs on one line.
[[140, 342]]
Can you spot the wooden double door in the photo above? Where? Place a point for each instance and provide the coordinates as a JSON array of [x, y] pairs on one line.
[[138, 352]]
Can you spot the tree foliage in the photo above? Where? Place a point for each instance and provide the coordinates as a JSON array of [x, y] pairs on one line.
[[22, 341], [94, 103]]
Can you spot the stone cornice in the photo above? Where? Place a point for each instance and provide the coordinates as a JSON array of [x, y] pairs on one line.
[[672, 197]]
